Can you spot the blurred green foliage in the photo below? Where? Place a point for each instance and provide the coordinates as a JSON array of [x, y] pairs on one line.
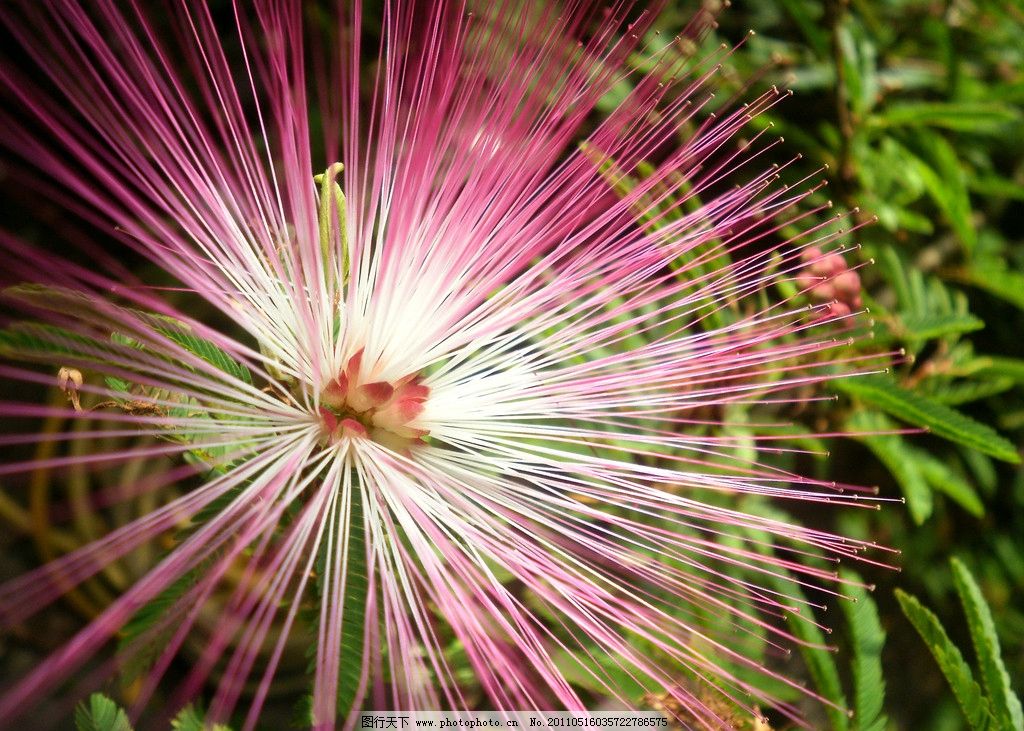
[[915, 107]]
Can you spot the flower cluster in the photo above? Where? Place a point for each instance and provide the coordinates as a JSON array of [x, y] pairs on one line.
[[354, 406], [828, 278]]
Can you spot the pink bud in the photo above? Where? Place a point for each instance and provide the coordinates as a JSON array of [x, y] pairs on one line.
[[371, 395], [335, 392], [847, 283], [839, 309]]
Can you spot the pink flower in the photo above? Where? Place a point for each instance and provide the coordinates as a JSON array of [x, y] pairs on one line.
[[454, 391]]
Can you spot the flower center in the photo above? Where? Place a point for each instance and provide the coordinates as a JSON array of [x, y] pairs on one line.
[[383, 411]]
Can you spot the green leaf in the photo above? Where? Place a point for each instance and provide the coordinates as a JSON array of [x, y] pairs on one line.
[[973, 704], [219, 504], [1005, 704], [1010, 556], [982, 470], [898, 457], [36, 342], [964, 392], [817, 655], [53, 299], [976, 117], [940, 170], [908, 78], [193, 719], [916, 471], [353, 619], [190, 719], [943, 421], [820, 661], [996, 187], [136, 636], [146, 615], [302, 714], [182, 334], [100, 714], [896, 275], [920, 326], [859, 59], [811, 27], [995, 279], [868, 638], [118, 385], [942, 478], [994, 365], [597, 671], [357, 590]]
